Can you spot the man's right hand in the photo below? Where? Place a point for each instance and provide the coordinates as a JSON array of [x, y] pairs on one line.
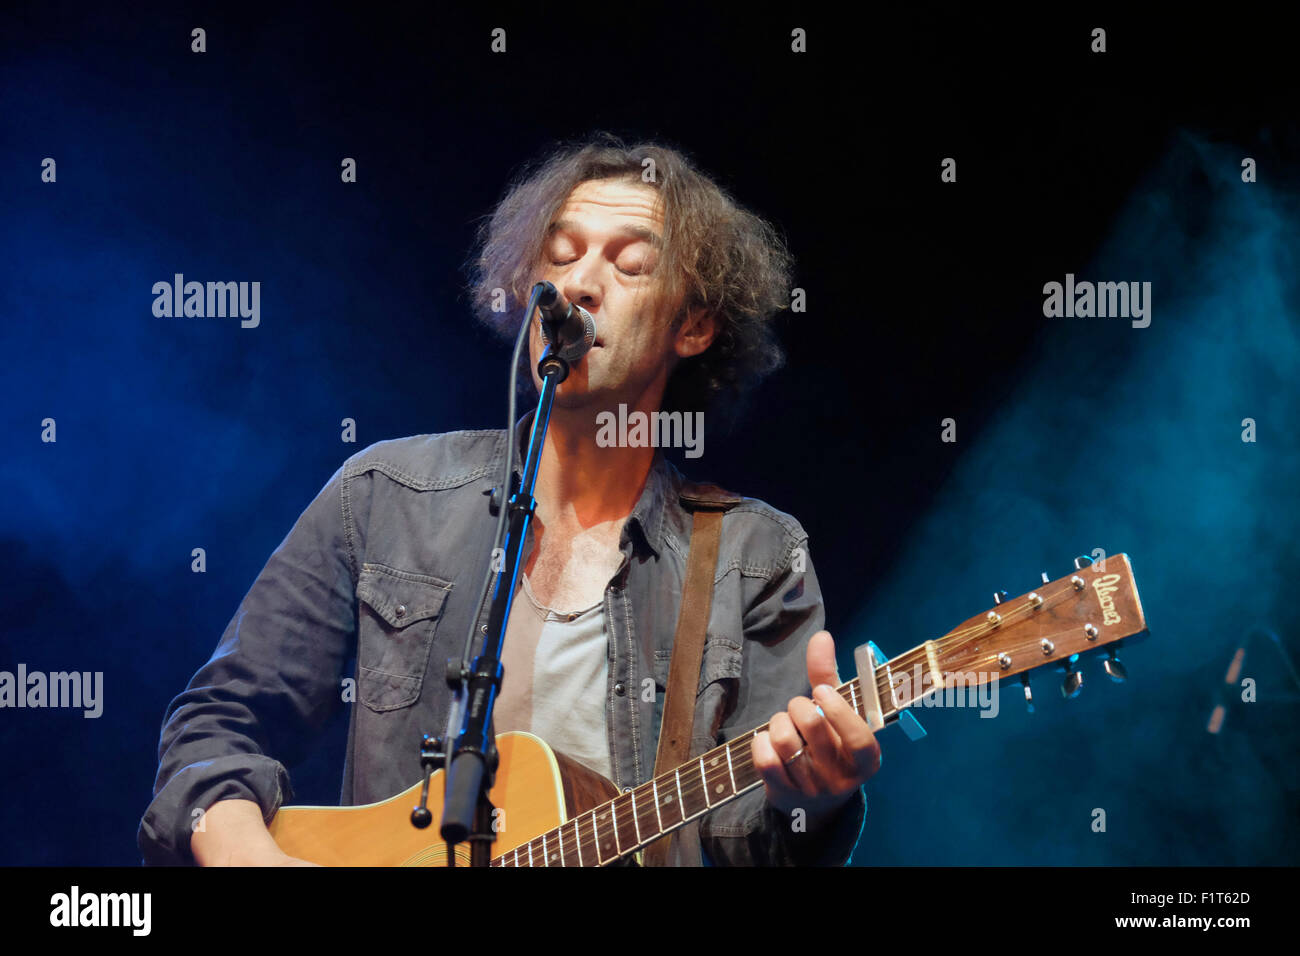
[[232, 834]]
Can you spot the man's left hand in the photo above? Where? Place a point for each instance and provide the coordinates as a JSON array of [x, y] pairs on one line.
[[817, 752]]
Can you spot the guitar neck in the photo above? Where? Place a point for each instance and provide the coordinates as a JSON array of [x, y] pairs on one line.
[[661, 805], [1081, 612]]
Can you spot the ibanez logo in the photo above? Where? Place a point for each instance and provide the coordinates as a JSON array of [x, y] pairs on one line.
[[1105, 587]]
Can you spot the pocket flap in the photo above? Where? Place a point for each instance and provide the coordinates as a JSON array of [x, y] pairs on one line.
[[721, 660], [401, 597]]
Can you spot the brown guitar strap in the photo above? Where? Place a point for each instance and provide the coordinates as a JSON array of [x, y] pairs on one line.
[[707, 502]]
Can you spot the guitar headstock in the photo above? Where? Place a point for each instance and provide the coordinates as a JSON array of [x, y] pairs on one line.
[[1094, 607]]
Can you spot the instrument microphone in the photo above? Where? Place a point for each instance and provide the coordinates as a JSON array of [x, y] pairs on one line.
[[570, 323]]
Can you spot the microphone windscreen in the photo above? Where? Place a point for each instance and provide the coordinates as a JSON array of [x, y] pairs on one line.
[[580, 330]]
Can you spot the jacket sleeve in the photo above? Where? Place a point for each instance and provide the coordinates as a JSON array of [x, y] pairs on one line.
[[268, 690], [777, 628]]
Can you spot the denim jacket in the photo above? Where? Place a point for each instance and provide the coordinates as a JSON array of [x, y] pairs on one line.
[[386, 565]]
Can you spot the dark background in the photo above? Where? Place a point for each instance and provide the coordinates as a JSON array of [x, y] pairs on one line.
[[924, 303]]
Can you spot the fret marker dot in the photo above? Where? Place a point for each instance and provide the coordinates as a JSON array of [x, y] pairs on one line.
[[719, 789]]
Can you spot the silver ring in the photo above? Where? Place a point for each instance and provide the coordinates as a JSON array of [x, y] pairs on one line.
[[793, 757]]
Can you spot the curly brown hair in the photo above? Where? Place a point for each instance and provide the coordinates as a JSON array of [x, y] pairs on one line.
[[717, 255]]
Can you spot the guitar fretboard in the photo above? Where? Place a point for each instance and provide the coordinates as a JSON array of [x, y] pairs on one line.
[[1062, 618], [631, 820]]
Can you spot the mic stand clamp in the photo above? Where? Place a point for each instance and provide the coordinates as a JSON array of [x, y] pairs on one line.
[[434, 757]]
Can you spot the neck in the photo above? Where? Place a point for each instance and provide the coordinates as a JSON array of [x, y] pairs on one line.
[[581, 478]]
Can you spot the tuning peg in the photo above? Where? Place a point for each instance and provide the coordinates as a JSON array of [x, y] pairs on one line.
[[1112, 666], [1081, 562], [1046, 579], [1029, 694], [1073, 681], [1000, 596]]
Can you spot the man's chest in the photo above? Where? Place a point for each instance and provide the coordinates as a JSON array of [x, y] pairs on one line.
[[570, 566]]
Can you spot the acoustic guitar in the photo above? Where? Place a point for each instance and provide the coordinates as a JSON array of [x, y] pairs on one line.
[[553, 811]]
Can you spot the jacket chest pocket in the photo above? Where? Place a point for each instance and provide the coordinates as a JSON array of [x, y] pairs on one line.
[[720, 669], [398, 612]]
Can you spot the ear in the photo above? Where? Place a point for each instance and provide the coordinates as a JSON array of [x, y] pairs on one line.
[[696, 333]]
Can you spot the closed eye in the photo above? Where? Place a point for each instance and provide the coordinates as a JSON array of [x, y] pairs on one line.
[[627, 272]]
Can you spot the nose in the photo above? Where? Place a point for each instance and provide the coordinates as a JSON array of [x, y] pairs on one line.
[[582, 283]]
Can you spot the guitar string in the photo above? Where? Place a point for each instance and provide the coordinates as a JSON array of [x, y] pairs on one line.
[[698, 788], [963, 635], [696, 792], [909, 659], [1021, 610], [547, 845], [917, 656]]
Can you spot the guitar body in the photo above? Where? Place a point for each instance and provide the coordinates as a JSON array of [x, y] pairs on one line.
[[536, 790]]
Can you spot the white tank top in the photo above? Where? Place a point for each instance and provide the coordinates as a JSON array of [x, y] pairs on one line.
[[556, 678]]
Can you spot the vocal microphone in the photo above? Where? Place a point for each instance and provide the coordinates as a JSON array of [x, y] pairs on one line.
[[572, 325]]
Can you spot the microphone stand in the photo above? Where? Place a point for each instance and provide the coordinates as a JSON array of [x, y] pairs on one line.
[[472, 758]]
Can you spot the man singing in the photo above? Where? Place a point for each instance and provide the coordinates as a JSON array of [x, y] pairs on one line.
[[386, 563]]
